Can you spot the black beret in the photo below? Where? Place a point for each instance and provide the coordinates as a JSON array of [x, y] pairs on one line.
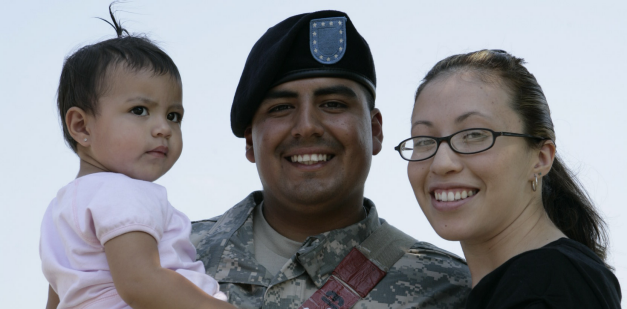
[[318, 44]]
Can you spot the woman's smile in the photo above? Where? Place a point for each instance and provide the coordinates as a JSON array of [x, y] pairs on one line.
[[453, 194], [450, 197]]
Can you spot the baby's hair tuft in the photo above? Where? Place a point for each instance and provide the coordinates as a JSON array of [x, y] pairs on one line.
[[116, 24]]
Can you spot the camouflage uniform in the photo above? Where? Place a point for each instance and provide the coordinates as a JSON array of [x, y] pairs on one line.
[[426, 277]]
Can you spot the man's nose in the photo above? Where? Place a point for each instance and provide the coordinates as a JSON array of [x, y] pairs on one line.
[[307, 121]]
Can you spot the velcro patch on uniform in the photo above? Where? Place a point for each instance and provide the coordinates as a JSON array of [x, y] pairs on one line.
[[327, 39], [332, 295], [358, 272]]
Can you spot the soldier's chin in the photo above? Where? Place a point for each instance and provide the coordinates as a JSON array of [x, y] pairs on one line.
[[313, 198]]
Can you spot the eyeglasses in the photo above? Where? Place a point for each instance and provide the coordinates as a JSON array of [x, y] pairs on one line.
[[469, 141]]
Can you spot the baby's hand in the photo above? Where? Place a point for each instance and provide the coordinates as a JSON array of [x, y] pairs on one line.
[[141, 281]]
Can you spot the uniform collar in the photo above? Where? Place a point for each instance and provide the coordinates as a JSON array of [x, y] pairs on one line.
[[318, 256], [229, 252]]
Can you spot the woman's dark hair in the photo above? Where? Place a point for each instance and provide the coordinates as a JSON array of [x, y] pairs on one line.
[[564, 198], [84, 74]]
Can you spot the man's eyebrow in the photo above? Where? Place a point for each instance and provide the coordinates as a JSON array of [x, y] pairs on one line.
[[280, 94], [339, 89]]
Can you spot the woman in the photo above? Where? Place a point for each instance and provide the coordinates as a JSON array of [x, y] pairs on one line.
[[484, 171]]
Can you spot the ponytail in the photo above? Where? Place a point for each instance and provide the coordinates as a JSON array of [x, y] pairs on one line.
[[568, 205]]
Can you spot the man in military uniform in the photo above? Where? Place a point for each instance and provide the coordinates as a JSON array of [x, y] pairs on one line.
[[305, 107]]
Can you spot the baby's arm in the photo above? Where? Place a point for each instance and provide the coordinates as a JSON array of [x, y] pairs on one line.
[[142, 282]]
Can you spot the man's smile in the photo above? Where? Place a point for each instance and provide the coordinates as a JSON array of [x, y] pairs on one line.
[[310, 158]]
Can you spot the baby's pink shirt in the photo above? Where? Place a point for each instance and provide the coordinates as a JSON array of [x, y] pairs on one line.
[[95, 208]]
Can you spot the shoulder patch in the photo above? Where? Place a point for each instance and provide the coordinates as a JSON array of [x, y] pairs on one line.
[[214, 219], [327, 39]]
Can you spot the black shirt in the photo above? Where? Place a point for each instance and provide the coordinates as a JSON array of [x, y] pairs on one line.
[[562, 274]]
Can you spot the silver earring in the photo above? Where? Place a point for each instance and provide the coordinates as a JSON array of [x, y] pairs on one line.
[[534, 184], [85, 139]]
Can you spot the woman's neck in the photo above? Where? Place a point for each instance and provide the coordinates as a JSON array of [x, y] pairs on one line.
[[531, 230]]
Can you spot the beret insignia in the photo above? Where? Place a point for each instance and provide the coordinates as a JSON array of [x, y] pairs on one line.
[[308, 45], [327, 39]]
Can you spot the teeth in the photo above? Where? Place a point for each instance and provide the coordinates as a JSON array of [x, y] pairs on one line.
[[309, 159], [449, 196]]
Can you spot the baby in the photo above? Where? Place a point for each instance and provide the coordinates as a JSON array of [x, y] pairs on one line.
[[110, 238]]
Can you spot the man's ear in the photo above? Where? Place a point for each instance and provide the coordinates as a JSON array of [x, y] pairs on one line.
[[250, 150], [77, 125], [377, 130], [545, 158]]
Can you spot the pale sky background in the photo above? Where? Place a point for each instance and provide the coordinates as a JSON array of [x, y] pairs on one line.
[[576, 49]]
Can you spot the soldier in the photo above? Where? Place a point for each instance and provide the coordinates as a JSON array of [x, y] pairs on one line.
[[305, 107]]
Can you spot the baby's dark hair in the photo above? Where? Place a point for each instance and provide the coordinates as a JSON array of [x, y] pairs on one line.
[[84, 74]]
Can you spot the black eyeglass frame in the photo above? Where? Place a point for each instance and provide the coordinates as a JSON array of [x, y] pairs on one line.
[[447, 139]]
